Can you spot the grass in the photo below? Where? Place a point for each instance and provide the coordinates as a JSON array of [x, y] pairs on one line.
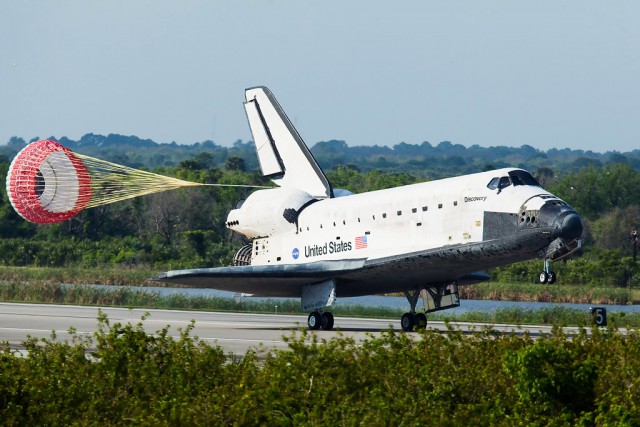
[[549, 293], [556, 315], [111, 275]]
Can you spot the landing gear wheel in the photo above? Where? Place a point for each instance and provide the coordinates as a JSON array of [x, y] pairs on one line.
[[552, 278], [327, 321], [314, 321], [544, 277], [421, 321], [407, 322]]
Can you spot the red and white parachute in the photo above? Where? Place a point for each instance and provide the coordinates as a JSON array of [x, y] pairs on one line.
[[47, 183]]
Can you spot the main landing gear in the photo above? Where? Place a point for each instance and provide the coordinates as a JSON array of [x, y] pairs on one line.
[[412, 320], [436, 298], [547, 276], [320, 320]]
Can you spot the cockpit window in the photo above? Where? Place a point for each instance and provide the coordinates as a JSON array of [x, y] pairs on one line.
[[517, 177], [499, 183], [504, 182], [523, 178]]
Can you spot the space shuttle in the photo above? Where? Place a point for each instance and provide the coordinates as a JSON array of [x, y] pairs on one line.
[[310, 241]]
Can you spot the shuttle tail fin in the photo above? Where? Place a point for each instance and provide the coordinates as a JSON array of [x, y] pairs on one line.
[[283, 155]]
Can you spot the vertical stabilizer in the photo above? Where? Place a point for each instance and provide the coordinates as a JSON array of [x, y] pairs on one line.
[[283, 155]]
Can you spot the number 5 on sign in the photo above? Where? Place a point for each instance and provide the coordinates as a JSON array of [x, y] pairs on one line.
[[599, 315]]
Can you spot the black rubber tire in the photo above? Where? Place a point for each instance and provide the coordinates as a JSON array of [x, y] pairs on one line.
[[314, 321], [326, 324], [544, 277], [421, 321], [407, 322]]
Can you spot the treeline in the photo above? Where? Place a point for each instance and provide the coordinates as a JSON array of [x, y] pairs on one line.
[[124, 375], [446, 159], [421, 160], [186, 228]]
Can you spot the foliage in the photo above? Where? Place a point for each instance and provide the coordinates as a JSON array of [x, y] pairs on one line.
[[595, 268], [535, 292], [351, 179], [593, 191], [554, 378], [123, 375]]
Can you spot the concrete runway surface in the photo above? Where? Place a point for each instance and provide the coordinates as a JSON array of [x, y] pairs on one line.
[[234, 332]]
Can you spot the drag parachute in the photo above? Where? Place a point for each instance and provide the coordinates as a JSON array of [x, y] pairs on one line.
[[46, 183], [49, 183]]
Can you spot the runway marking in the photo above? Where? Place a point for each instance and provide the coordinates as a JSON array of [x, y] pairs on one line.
[[66, 331]]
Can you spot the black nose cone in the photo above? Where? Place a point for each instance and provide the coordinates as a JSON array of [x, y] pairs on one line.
[[571, 226]]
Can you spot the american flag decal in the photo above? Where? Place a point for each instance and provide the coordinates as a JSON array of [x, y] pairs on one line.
[[361, 242]]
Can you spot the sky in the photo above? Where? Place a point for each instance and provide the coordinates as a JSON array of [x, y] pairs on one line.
[[549, 74]]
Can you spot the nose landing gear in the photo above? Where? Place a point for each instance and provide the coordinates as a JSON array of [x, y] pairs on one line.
[[547, 276], [558, 250]]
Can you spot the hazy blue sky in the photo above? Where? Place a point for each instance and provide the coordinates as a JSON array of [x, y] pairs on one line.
[[545, 73]]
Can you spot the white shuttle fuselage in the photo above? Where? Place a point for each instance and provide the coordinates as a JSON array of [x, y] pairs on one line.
[[384, 223]]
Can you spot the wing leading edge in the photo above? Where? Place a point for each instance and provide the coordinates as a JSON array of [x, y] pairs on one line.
[[263, 280]]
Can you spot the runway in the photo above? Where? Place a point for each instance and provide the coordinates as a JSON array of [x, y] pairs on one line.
[[234, 332]]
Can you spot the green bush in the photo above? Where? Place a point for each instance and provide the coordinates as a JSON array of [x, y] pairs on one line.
[[553, 378], [123, 375]]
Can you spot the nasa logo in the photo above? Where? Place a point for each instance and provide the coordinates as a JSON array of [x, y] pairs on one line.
[[295, 253]]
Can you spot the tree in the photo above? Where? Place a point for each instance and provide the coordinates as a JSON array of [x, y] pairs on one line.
[[16, 142], [234, 164], [545, 176], [204, 159], [166, 215], [615, 157], [583, 191], [612, 230], [621, 185]]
